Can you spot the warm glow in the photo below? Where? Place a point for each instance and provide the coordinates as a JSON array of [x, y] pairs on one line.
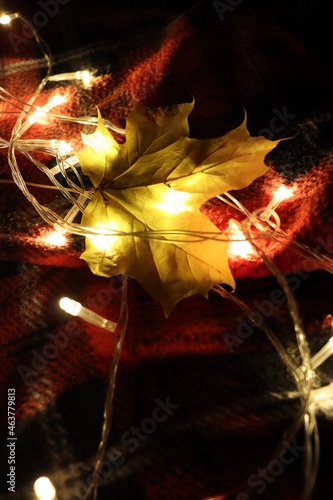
[[174, 202], [76, 309], [328, 321], [56, 100], [241, 247], [103, 241], [5, 19], [63, 147], [70, 306], [84, 76], [55, 238], [100, 242], [59, 228], [37, 115], [8, 18], [100, 142], [44, 489], [283, 193]]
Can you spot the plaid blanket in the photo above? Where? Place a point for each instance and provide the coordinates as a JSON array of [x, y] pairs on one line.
[[196, 413]]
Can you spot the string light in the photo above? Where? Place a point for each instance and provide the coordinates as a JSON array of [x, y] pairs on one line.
[[281, 194], [40, 113], [8, 18], [44, 489], [84, 76], [76, 309], [174, 202], [55, 238], [64, 148], [241, 247]]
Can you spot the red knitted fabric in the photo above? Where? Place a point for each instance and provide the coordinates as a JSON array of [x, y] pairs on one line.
[[225, 422]]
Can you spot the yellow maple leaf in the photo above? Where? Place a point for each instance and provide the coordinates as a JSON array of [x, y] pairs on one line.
[[157, 181]]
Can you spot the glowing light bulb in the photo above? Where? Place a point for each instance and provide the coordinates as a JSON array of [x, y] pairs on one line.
[[36, 115], [281, 194], [55, 238], [56, 100], [76, 309], [174, 202], [241, 247], [84, 76], [41, 112], [8, 18], [70, 306], [44, 489], [106, 243], [64, 148], [5, 19], [50, 238]]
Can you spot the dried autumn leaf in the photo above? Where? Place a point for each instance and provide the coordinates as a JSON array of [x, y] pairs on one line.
[[156, 181]]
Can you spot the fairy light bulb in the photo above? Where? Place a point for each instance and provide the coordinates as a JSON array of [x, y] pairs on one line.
[[281, 194], [76, 309], [84, 76], [174, 202], [39, 113], [56, 100], [63, 147], [44, 489], [8, 18], [55, 238], [240, 247], [70, 306], [5, 19]]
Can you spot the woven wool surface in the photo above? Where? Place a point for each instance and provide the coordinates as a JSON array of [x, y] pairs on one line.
[[271, 59]]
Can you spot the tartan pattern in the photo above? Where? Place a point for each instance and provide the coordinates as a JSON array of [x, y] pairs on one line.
[[261, 57]]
